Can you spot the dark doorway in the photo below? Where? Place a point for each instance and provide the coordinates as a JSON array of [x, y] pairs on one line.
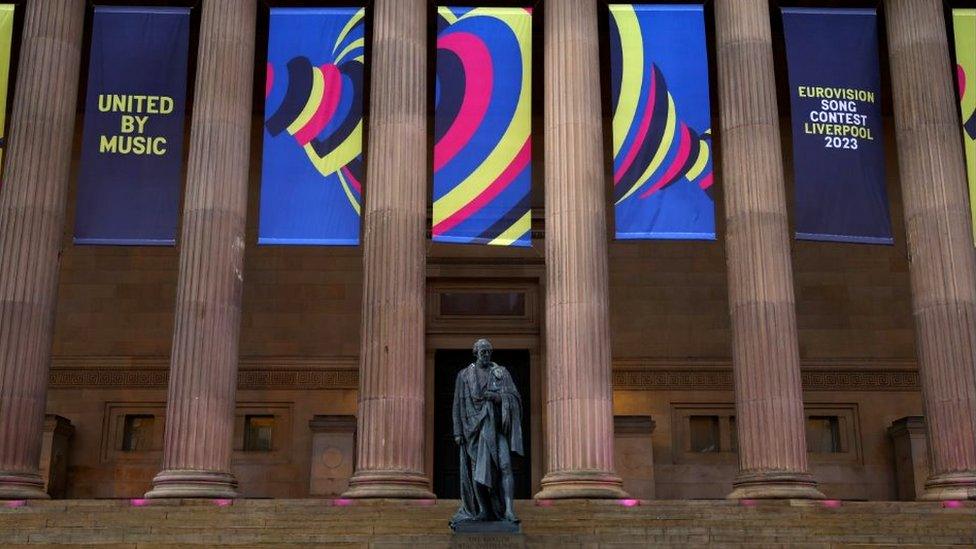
[[447, 364]]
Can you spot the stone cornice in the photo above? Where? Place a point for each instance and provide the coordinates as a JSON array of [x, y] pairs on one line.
[[629, 374]]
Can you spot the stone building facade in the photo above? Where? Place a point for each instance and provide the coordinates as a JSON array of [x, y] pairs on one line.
[[755, 366]]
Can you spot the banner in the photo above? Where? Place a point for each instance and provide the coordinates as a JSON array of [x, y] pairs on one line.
[[130, 172], [662, 161], [6, 37], [312, 174], [482, 127], [838, 141], [964, 23]]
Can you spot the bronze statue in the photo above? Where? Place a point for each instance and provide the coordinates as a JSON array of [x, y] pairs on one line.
[[487, 428]]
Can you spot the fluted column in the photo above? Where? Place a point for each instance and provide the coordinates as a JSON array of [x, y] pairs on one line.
[[579, 403], [390, 453], [768, 393], [937, 220], [203, 368], [32, 202]]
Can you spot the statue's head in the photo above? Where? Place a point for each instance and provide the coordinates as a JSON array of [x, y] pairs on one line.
[[482, 350]]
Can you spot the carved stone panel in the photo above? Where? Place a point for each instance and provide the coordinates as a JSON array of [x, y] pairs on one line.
[[333, 451]]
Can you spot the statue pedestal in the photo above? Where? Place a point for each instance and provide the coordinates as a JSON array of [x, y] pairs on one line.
[[487, 527], [472, 534]]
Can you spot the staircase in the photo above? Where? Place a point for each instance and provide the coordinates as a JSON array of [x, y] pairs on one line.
[[421, 524]]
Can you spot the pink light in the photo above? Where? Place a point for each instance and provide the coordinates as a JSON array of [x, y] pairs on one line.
[[951, 504], [223, 502], [629, 502], [342, 502], [831, 503], [543, 503], [425, 502], [747, 502], [138, 502], [15, 504]]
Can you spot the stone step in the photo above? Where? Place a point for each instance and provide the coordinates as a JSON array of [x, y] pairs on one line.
[[263, 523]]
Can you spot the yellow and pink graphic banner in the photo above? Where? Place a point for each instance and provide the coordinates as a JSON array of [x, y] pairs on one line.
[[6, 37], [313, 172], [662, 142], [482, 126], [964, 22]]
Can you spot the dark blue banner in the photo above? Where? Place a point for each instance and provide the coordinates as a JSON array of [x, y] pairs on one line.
[[312, 175], [132, 147], [662, 137], [838, 137]]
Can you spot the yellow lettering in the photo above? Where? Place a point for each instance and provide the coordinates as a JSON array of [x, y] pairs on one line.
[[128, 123], [108, 145]]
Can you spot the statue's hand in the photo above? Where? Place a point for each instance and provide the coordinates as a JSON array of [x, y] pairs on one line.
[[493, 396], [459, 440]]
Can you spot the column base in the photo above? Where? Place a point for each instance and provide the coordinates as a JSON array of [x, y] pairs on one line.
[[389, 485], [582, 485], [950, 486], [775, 485], [177, 483], [22, 486]]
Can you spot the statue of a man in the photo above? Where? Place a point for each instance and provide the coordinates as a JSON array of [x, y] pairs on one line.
[[487, 428]]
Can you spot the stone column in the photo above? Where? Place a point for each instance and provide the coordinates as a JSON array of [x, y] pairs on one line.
[[32, 202], [203, 368], [390, 454], [579, 403], [937, 220], [768, 394]]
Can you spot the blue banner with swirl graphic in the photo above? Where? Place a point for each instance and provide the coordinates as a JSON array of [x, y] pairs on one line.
[[662, 137], [312, 172], [838, 135], [482, 126]]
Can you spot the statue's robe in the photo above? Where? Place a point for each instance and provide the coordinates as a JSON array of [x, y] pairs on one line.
[[490, 430]]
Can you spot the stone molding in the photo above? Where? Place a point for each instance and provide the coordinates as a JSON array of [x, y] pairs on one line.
[[633, 425], [253, 373], [629, 374], [332, 424], [716, 375], [909, 425]]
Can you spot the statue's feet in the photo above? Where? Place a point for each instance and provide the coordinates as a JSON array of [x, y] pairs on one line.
[[510, 517]]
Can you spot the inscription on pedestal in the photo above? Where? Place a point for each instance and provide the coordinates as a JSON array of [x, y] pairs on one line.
[[488, 541]]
